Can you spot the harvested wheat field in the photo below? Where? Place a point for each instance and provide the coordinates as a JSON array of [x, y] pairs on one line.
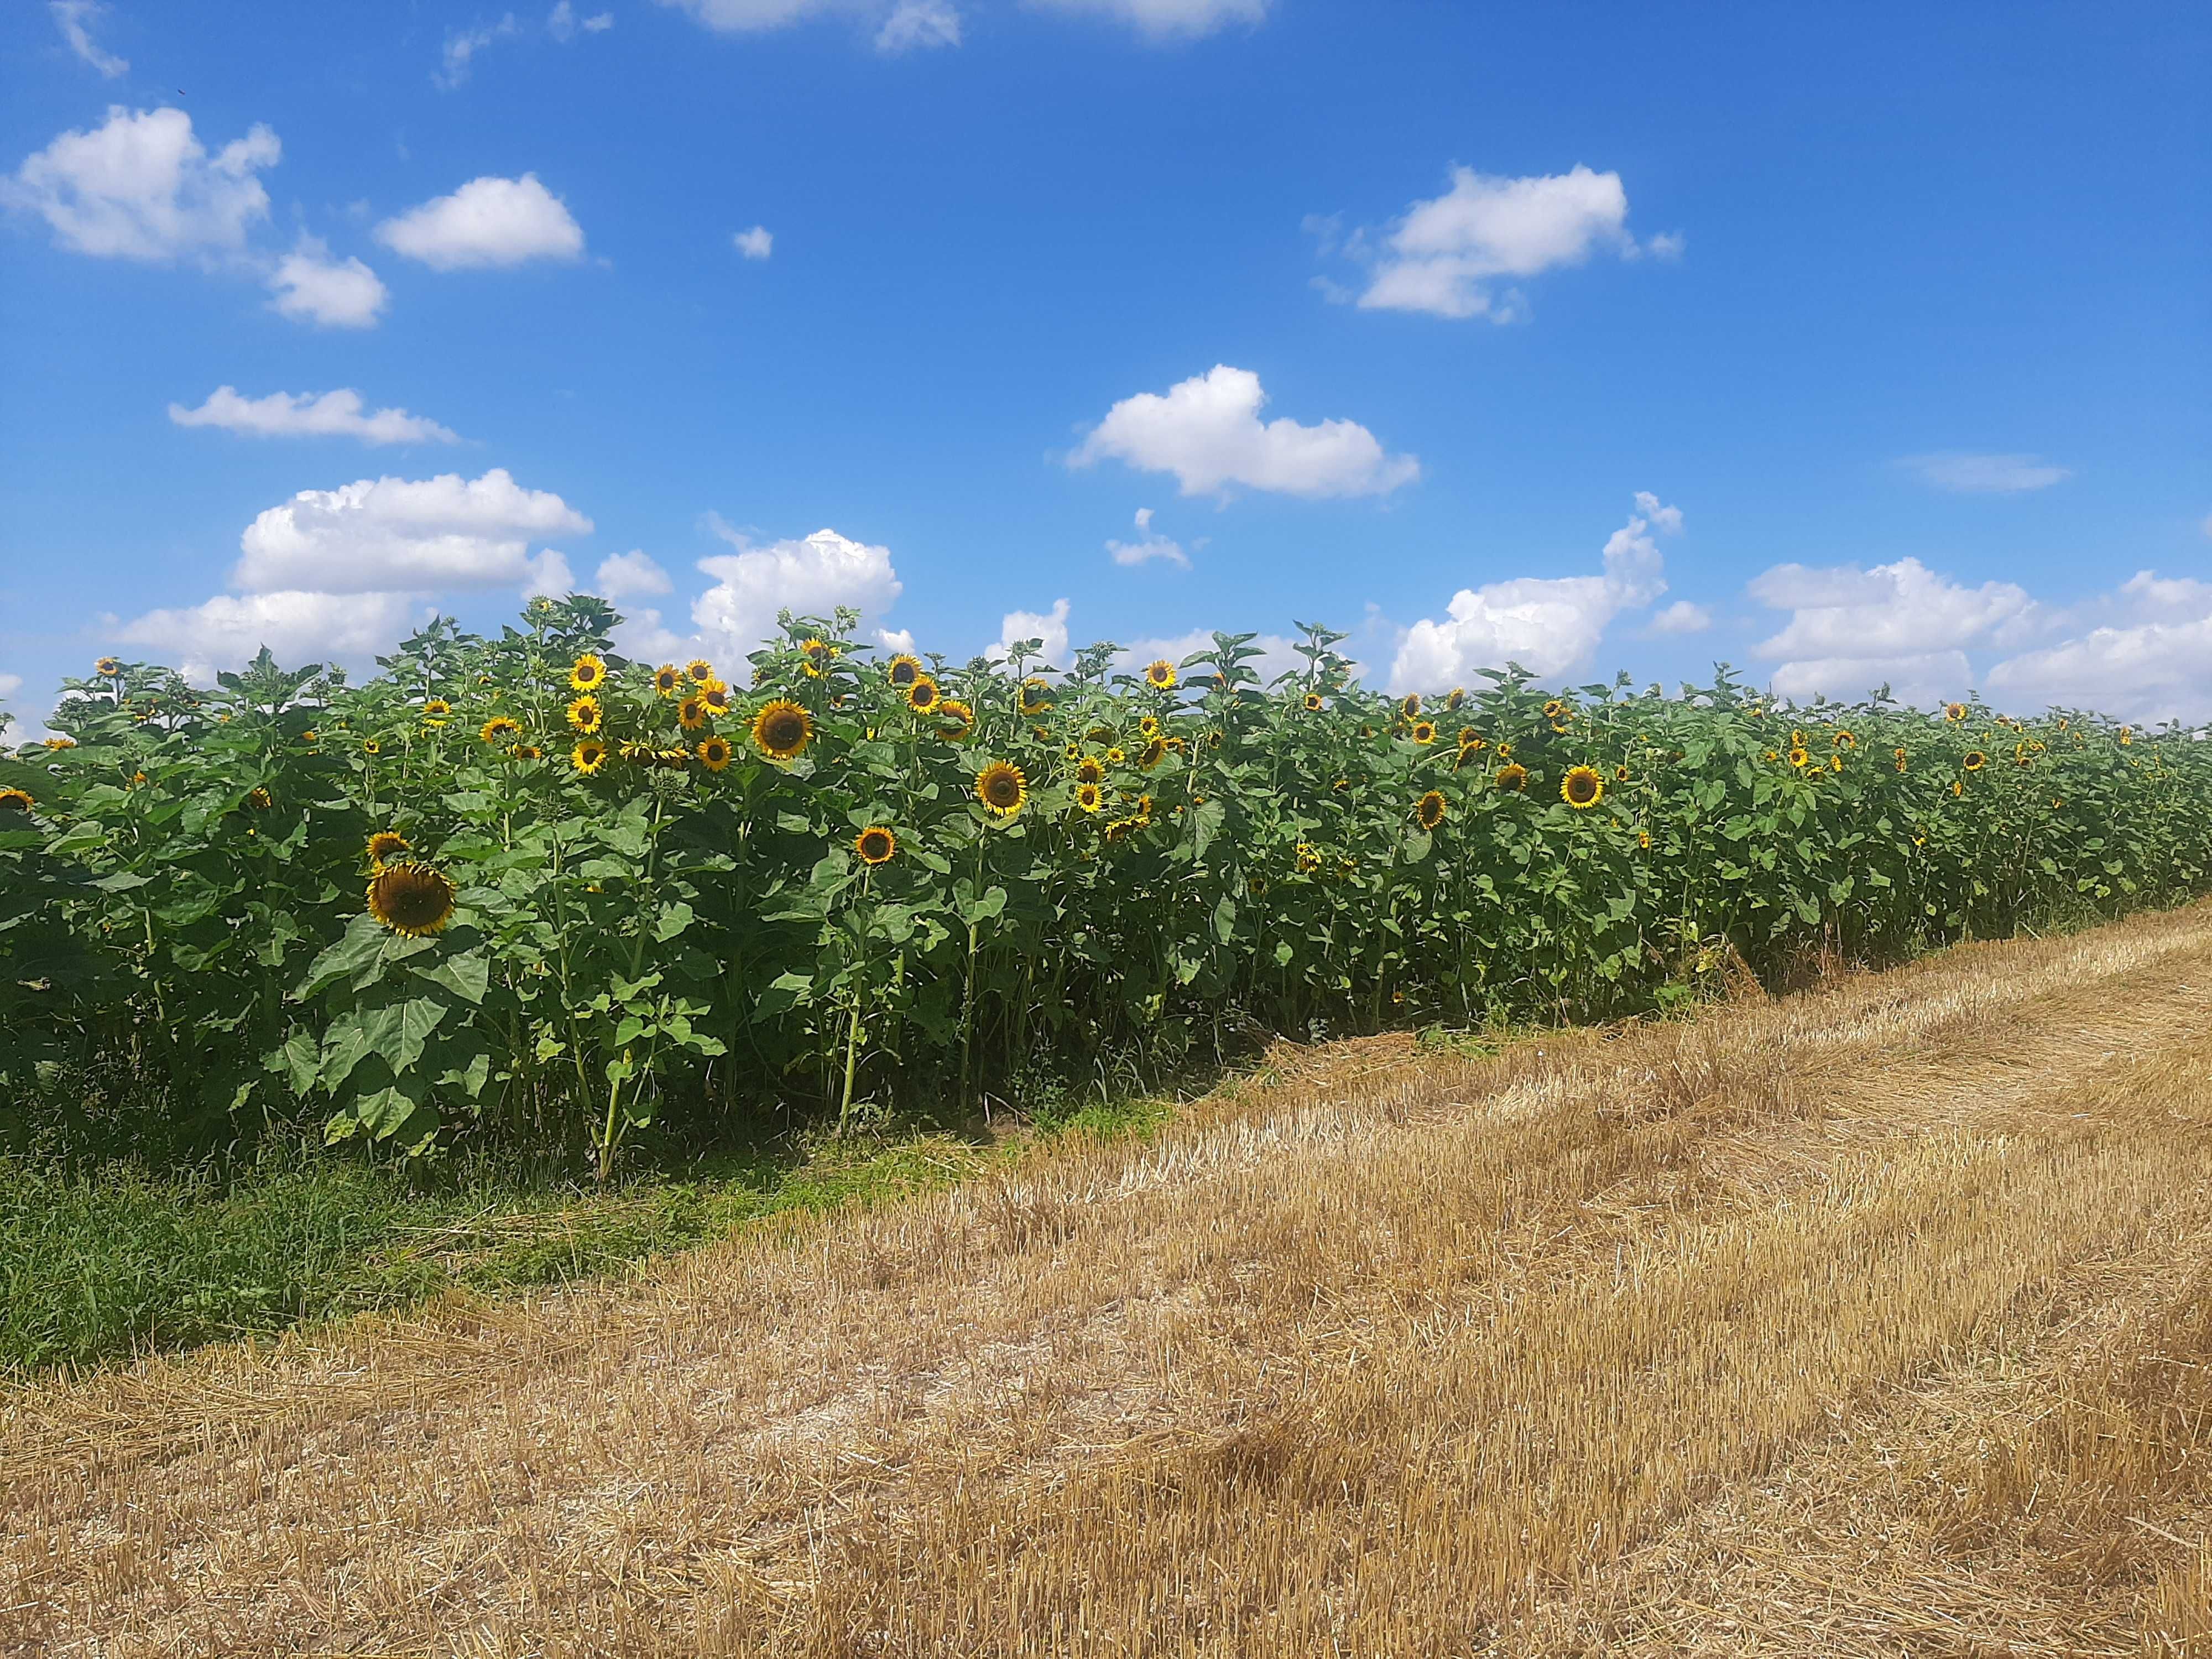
[[1872, 1321]]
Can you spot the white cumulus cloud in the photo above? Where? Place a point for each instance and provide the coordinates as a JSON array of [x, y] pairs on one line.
[[917, 25], [1445, 254], [1681, 618], [1148, 546], [487, 222], [809, 575], [310, 414], [297, 627], [313, 287], [1549, 624], [1208, 431], [1901, 625], [1049, 626], [622, 574], [2152, 662], [755, 244], [388, 534], [1167, 19], [142, 186], [1966, 474], [75, 19]]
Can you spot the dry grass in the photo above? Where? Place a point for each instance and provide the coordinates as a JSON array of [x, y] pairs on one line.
[[1870, 1321]]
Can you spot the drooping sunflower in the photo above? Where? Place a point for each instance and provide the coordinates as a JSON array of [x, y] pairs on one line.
[[1975, 760], [15, 800], [1514, 776], [107, 668], [588, 756], [1955, 712], [1846, 738], [260, 799], [1799, 758], [385, 846], [958, 718], [692, 714], [412, 899], [875, 845], [1089, 769], [1160, 674], [1151, 754], [1582, 787], [1468, 751], [782, 730], [1036, 697], [714, 753], [1423, 732], [668, 679], [499, 728], [1313, 703], [921, 694], [700, 669], [588, 673], [1088, 796], [1002, 789], [1458, 696], [1430, 811], [585, 714], [902, 669], [1470, 738], [817, 654]]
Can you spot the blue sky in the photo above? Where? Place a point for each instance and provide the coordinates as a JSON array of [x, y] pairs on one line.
[[1856, 346]]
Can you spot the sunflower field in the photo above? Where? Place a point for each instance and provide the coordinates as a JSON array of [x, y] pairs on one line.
[[521, 887]]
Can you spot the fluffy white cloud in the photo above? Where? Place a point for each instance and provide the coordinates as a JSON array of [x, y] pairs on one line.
[[306, 415], [488, 221], [386, 534], [141, 186], [811, 576], [2152, 662], [563, 25], [1442, 255], [548, 573], [1984, 475], [917, 25], [622, 574], [74, 18], [1149, 546], [1168, 19], [297, 627], [1889, 612], [1050, 626], [1206, 430], [9, 684], [1682, 618], [313, 287], [1549, 624], [755, 244]]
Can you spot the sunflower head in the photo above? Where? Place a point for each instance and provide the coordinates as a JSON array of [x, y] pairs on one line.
[[668, 679], [585, 714], [1313, 703], [1955, 712], [107, 668], [782, 730], [921, 694], [1160, 674], [498, 729], [1149, 726], [1620, 775], [958, 718], [385, 846], [1582, 787], [1846, 738], [1468, 751], [1089, 769], [1553, 709], [1835, 763], [412, 899], [692, 714], [1901, 760], [1429, 811], [1151, 754], [15, 800], [1798, 758], [371, 746], [589, 755], [1036, 697], [1089, 795], [588, 673], [699, 670], [1423, 732], [1514, 776], [714, 753], [1975, 760], [2127, 734], [718, 697], [1644, 839], [527, 752], [1115, 756], [1002, 789], [1458, 696], [902, 669], [1957, 787], [1505, 751], [1309, 860], [817, 654]]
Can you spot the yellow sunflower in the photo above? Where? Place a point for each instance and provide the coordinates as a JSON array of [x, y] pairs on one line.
[[371, 746], [902, 669], [1002, 789], [1088, 796], [527, 752], [921, 694], [1901, 760], [585, 714], [1149, 726], [1957, 787], [1313, 703], [1644, 840], [1468, 751], [1429, 811], [1620, 775], [1975, 760], [589, 755], [410, 899], [958, 718], [1089, 769], [1955, 712], [1553, 709], [498, 729], [782, 730], [1036, 697], [692, 714], [1582, 787], [588, 673], [1799, 758], [107, 668], [1115, 756], [1309, 860], [436, 710], [1835, 763], [718, 697], [1505, 751], [714, 753], [1514, 776], [2127, 735], [1846, 738], [1423, 732], [875, 845], [385, 846], [15, 800], [817, 654], [700, 669], [1458, 696], [1151, 754], [668, 679], [1160, 675]]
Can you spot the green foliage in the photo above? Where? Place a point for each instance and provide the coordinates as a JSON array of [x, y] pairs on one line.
[[694, 932]]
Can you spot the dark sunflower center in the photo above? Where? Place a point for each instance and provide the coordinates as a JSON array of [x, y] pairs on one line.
[[1583, 788], [1001, 790], [875, 845], [903, 673], [413, 898], [783, 729]]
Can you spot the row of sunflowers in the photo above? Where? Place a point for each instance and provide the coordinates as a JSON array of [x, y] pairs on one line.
[[521, 886]]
